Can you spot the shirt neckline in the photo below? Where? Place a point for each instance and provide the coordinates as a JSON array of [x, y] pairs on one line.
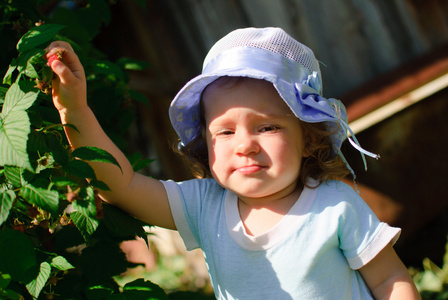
[[279, 232]]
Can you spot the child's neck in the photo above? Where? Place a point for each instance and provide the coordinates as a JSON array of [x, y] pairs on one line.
[[260, 217]]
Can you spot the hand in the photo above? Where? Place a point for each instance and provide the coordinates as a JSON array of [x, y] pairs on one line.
[[69, 84]]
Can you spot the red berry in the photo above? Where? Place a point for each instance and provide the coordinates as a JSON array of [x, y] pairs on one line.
[[52, 58], [57, 56]]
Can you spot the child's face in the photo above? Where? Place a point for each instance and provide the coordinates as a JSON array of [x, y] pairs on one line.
[[254, 141]]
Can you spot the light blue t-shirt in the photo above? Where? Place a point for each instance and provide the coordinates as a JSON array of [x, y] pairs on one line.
[[312, 253]]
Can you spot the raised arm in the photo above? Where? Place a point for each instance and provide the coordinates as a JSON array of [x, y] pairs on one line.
[[140, 196]]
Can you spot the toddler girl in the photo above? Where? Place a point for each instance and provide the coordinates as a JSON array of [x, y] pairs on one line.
[[267, 209]]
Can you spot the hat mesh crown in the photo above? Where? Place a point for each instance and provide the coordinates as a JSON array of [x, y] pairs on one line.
[[272, 39]]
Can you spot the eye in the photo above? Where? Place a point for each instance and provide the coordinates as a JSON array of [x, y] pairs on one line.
[[225, 132], [269, 128]]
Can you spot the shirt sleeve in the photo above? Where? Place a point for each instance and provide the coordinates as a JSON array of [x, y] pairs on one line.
[[179, 216], [362, 235]]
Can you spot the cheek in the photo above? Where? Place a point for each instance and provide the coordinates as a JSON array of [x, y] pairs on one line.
[[211, 147], [288, 154]]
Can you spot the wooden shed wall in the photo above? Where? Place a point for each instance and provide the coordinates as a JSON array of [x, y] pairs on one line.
[[355, 40]]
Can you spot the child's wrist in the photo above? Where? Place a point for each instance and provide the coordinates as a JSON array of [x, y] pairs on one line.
[[69, 115]]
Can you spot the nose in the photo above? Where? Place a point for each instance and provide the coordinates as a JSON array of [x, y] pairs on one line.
[[246, 143]]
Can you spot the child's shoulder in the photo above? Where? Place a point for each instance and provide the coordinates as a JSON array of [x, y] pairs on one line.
[[337, 191], [336, 186]]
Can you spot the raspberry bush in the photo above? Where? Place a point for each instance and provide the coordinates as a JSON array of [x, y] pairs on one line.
[[57, 239]]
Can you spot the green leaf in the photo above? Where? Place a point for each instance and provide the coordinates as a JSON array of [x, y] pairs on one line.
[[48, 200], [57, 149], [80, 168], [141, 289], [15, 176], [63, 181], [86, 225], [30, 71], [10, 295], [15, 127], [3, 91], [95, 154], [16, 99], [121, 224], [5, 279], [14, 130], [60, 263], [133, 64], [37, 36], [17, 256], [7, 79], [99, 292], [58, 127], [7, 198], [138, 162], [102, 260], [86, 207], [139, 97], [36, 285], [109, 69], [26, 58], [99, 185]]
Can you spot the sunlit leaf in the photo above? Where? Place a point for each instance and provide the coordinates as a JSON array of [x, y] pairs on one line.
[[7, 198], [16, 99], [15, 127], [139, 289], [37, 36], [14, 130], [62, 181], [86, 225], [100, 292], [60, 263], [12, 67], [14, 176], [85, 206], [46, 199], [36, 285]]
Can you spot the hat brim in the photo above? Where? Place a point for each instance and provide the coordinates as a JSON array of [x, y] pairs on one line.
[[248, 62]]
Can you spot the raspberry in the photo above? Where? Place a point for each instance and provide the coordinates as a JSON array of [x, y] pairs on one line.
[[57, 56]]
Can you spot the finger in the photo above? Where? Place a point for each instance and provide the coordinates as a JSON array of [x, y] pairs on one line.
[[59, 58], [64, 73], [59, 44], [64, 51]]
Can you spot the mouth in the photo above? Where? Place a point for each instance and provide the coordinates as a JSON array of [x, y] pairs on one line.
[[248, 170]]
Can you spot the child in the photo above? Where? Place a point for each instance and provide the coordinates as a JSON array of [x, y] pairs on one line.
[[269, 214]]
